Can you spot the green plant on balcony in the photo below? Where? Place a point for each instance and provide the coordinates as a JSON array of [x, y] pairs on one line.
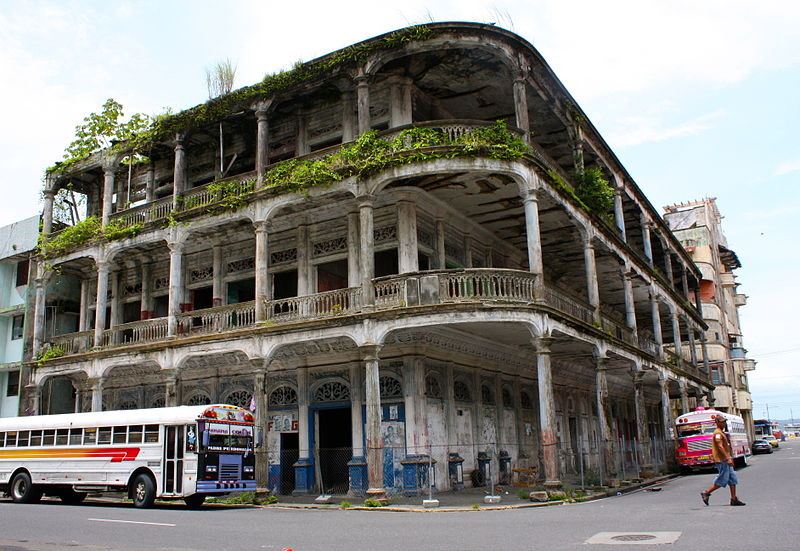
[[230, 195], [115, 229], [50, 354], [72, 236], [594, 191]]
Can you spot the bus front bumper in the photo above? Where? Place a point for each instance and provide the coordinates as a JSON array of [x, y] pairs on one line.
[[214, 486]]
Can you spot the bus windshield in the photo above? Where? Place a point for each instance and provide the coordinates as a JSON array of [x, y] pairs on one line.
[[695, 429], [226, 437]]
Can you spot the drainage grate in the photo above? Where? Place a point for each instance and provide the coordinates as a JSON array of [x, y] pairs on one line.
[[634, 537]]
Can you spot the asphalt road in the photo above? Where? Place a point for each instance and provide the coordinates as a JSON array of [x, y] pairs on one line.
[[769, 521]]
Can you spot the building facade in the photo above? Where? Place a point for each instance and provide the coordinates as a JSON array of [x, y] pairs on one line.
[[698, 226], [415, 258], [17, 242]]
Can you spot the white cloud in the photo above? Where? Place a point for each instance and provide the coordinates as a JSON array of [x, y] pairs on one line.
[[652, 127], [792, 165]]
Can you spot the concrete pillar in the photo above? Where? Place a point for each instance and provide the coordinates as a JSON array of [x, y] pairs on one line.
[[668, 268], [685, 283], [262, 143], [356, 404], [521, 106], [530, 201], [400, 102], [47, 212], [619, 213], [666, 418], [692, 345], [97, 393], [646, 463], [362, 97], [408, 258], [146, 306], [171, 388], [373, 424], [83, 314], [303, 429], [468, 262], [150, 183], [302, 147], [656, 317], [684, 397], [410, 392], [676, 333], [218, 276], [367, 240], [353, 249], [262, 270], [40, 309], [108, 191], [303, 261], [608, 443], [592, 287], [349, 124], [175, 286], [116, 299], [180, 177], [262, 417], [630, 304], [101, 301], [648, 247], [547, 412], [441, 255]]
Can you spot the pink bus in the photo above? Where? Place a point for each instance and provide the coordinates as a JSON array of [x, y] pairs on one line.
[[694, 430]]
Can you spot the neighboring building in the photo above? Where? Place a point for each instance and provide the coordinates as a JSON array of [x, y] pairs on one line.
[[17, 242], [446, 287], [698, 226]]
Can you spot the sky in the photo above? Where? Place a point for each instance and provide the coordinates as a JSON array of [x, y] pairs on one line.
[[697, 99]]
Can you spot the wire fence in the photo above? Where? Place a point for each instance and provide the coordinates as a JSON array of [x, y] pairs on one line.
[[579, 462]]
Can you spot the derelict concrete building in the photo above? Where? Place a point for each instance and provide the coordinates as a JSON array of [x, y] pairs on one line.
[[360, 250]]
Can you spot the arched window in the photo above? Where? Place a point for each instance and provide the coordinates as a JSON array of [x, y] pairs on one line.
[[432, 387], [239, 398], [128, 404], [199, 398], [158, 402], [461, 392], [283, 396], [508, 401], [525, 400], [487, 396], [390, 387], [333, 391]]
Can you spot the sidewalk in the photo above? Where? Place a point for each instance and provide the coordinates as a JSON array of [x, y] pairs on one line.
[[467, 499]]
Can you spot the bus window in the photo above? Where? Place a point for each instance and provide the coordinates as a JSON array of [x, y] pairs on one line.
[[36, 438], [11, 439], [151, 433], [49, 437], [61, 437], [2, 439], [22, 439], [89, 436], [120, 435], [75, 437], [135, 434], [104, 435]]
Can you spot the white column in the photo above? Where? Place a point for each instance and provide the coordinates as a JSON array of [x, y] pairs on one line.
[[607, 442], [116, 303], [262, 143], [83, 315], [108, 192], [303, 429], [150, 184], [676, 332], [547, 412], [373, 424], [303, 261], [355, 410], [362, 97], [218, 283], [656, 317], [630, 304], [146, 306], [521, 106], [353, 248], [179, 173], [97, 394], [367, 240], [262, 270], [619, 214], [47, 212], [441, 255], [175, 286], [101, 301], [348, 119], [40, 308], [408, 256], [530, 201], [648, 247], [592, 287]]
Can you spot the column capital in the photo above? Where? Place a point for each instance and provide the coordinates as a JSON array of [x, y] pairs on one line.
[[529, 195], [365, 200], [601, 361], [176, 247], [262, 226], [369, 351], [262, 109], [542, 345]]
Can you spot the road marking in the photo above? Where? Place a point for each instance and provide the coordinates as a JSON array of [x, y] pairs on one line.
[[132, 522]]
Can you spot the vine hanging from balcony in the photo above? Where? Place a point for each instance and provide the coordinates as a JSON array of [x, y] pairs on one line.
[[82, 233]]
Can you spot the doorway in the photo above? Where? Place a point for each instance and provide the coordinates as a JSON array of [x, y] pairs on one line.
[[334, 449], [290, 453]]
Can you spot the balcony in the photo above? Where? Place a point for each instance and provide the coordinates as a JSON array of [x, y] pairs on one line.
[[739, 300], [483, 286], [727, 279]]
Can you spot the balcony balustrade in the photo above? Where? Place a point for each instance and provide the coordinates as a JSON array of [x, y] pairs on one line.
[[485, 286]]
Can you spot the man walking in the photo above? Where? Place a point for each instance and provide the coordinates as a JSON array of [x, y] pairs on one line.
[[721, 453]]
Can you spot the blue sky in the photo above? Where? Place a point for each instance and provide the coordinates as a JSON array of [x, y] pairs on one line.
[[697, 99]]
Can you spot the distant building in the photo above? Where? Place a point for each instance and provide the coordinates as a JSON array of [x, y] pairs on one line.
[[17, 242], [698, 225]]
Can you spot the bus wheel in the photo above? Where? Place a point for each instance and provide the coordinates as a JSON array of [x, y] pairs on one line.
[[685, 471], [194, 501], [23, 490], [71, 497], [144, 491]]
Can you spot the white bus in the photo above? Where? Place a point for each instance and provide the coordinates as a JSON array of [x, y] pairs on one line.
[[187, 452]]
